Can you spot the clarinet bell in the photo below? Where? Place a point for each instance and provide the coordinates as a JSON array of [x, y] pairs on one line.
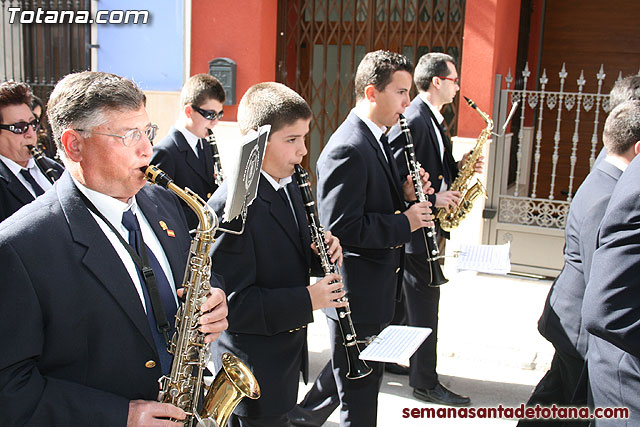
[[437, 276]]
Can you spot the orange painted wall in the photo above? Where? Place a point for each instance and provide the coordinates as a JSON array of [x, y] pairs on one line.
[[489, 47], [244, 31]]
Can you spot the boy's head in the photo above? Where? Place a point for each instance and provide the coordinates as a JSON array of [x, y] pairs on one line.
[[621, 135], [627, 89], [202, 97], [383, 80], [289, 116]]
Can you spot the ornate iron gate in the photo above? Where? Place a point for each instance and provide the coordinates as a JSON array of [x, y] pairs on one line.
[[40, 54], [556, 137], [321, 42]]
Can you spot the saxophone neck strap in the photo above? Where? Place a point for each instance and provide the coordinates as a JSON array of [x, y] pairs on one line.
[[146, 272]]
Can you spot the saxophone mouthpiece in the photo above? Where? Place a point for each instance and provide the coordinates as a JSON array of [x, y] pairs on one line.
[[156, 176], [470, 102]]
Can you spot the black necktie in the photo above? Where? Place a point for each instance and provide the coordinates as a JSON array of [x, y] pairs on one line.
[[384, 141], [32, 182], [283, 195], [445, 167], [130, 222]]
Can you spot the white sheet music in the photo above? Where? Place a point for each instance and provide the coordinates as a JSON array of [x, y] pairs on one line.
[[395, 344], [492, 259]]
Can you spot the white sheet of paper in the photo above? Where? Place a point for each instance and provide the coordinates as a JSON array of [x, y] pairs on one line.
[[395, 344], [492, 259]]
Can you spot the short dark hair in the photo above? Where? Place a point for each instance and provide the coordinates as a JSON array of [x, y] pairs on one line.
[[430, 65], [200, 88], [80, 100], [622, 127], [14, 93], [271, 103], [626, 89], [377, 68]]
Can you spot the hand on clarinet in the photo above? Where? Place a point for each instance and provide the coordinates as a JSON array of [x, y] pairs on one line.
[[419, 216], [325, 294], [409, 190], [333, 248]]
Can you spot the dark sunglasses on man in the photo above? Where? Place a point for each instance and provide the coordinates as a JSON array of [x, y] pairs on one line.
[[21, 127], [208, 114]]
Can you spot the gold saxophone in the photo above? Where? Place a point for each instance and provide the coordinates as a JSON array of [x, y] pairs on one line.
[[182, 387], [450, 220]]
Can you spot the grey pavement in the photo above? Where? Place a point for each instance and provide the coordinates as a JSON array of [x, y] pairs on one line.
[[489, 348]]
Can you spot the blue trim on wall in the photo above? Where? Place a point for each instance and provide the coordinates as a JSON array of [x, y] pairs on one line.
[[150, 54]]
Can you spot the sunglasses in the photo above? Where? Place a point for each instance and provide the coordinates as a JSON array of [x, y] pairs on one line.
[[209, 114], [21, 127]]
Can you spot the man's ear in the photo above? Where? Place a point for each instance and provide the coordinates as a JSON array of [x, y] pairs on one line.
[[73, 142], [636, 148], [370, 93], [188, 110]]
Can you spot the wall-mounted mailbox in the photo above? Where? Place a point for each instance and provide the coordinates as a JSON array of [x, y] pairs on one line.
[[224, 69]]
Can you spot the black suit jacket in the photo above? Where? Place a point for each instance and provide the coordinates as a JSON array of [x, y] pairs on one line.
[[74, 332], [611, 308], [14, 195], [425, 141], [267, 270], [175, 157], [561, 321], [361, 202]]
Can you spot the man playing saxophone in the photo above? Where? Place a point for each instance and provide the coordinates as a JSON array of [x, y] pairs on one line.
[[437, 81], [82, 341]]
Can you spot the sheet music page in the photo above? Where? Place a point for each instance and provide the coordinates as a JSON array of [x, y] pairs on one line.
[[244, 172], [493, 259], [395, 344]]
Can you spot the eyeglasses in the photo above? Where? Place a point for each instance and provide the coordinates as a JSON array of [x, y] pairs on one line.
[[132, 137], [21, 127], [455, 81], [209, 114]]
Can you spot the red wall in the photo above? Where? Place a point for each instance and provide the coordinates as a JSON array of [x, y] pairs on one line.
[[242, 30], [490, 47]]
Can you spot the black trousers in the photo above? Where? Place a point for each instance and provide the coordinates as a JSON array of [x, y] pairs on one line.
[[562, 385], [419, 307]]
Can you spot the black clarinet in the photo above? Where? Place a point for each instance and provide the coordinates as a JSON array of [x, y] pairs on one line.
[[217, 164], [429, 233], [357, 367], [51, 173]]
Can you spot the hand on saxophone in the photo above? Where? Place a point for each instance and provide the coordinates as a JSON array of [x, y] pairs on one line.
[[325, 294], [213, 321], [149, 413], [478, 167], [333, 247], [448, 200]]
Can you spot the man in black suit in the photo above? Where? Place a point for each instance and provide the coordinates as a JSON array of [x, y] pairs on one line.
[[21, 181], [436, 79], [610, 306], [267, 267], [184, 154], [561, 320], [79, 334], [361, 198]]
